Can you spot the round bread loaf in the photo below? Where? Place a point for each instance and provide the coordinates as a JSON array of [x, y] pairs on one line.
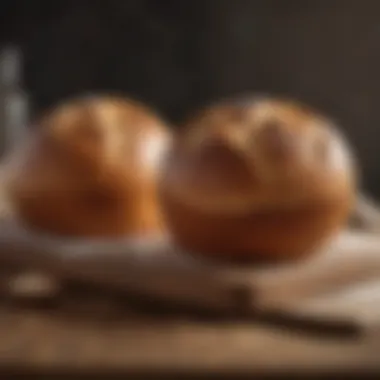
[[90, 169], [257, 179]]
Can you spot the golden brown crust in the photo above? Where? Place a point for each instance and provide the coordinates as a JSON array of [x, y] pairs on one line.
[[258, 155], [263, 177], [274, 235], [91, 168]]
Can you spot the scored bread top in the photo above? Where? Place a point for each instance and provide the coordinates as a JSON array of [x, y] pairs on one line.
[[258, 154], [98, 139]]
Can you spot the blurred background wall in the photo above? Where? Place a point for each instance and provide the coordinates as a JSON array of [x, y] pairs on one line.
[[179, 54]]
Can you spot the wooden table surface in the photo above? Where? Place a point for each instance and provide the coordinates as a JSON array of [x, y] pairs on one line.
[[52, 341], [94, 332], [82, 335]]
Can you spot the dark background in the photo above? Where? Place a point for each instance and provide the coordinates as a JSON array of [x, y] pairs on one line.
[[179, 54]]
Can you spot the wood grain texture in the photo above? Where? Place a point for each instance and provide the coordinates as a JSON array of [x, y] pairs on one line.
[[33, 340]]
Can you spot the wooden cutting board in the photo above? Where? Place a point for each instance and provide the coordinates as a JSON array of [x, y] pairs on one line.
[[340, 285]]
